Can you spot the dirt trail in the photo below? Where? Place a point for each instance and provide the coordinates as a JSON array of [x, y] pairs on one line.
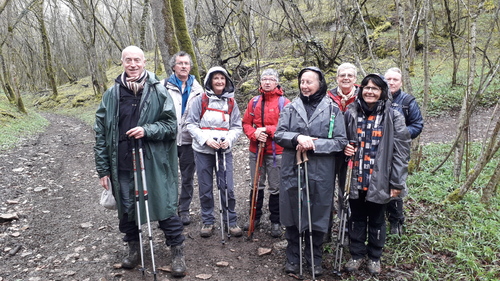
[[62, 233]]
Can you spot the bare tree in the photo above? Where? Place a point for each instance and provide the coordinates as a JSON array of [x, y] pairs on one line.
[[47, 53], [84, 15]]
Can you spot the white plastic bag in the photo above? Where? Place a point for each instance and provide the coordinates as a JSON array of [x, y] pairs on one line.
[[107, 199]]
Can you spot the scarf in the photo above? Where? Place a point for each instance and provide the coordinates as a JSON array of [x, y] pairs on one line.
[[345, 98], [370, 131], [311, 102], [135, 84], [174, 80]]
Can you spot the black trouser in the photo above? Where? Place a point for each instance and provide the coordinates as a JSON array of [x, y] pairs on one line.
[[292, 250], [395, 213], [274, 206], [366, 218], [172, 228], [187, 167]]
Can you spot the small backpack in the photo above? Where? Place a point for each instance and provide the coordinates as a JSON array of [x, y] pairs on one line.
[[405, 105]]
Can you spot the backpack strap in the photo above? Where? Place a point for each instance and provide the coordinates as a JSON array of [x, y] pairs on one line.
[[204, 106], [406, 104], [254, 103], [281, 103]]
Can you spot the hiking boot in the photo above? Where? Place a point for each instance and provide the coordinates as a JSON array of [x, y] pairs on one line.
[[185, 219], [276, 230], [373, 267], [132, 260], [235, 231], [318, 271], [353, 265], [206, 230], [256, 224], [291, 267], [396, 229], [178, 262]]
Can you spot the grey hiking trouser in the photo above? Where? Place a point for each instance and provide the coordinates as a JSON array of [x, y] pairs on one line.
[[187, 167], [270, 170], [205, 166]]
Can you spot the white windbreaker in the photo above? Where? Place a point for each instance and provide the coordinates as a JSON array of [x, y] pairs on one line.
[[214, 124]]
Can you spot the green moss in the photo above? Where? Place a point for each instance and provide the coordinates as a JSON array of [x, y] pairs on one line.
[[290, 73], [248, 87]]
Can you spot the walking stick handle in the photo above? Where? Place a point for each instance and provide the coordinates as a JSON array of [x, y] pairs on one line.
[[304, 156], [298, 157]]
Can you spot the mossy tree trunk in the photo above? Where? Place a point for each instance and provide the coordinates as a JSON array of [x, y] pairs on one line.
[[164, 26], [5, 79], [182, 33]]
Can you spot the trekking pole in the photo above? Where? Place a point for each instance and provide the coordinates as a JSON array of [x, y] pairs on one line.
[[339, 250], [220, 196], [137, 205], [308, 199], [225, 188], [299, 199], [145, 192], [256, 177]]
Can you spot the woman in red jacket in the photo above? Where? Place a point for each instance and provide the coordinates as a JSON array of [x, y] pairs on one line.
[[259, 124]]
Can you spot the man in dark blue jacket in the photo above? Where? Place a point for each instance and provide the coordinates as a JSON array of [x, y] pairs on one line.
[[406, 104]]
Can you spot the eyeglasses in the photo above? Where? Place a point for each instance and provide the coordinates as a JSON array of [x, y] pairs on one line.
[[269, 80], [348, 75], [182, 63], [371, 89]]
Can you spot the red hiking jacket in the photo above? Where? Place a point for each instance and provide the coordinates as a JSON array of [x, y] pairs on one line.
[[253, 119]]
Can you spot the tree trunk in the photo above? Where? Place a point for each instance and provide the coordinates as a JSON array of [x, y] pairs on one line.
[[164, 26], [5, 79], [487, 153], [84, 21], [182, 33], [47, 54], [491, 189], [144, 24], [427, 81], [216, 51]]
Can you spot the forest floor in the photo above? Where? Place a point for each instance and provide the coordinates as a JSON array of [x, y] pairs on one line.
[[58, 230]]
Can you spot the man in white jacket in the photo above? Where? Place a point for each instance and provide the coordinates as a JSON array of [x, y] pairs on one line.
[[182, 87]]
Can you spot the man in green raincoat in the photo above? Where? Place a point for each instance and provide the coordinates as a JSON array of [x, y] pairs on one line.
[[137, 107]]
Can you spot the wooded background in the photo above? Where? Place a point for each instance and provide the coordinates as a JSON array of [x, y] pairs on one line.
[[48, 43]]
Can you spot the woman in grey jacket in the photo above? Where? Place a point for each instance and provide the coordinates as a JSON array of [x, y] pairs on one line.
[[380, 147], [214, 122], [314, 124]]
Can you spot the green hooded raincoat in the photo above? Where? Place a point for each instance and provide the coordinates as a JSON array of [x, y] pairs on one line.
[[158, 118]]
